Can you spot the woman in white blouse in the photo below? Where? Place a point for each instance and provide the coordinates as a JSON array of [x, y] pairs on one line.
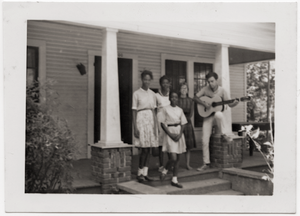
[[145, 123], [162, 100]]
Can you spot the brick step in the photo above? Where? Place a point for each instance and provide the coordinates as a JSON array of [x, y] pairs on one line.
[[185, 176], [197, 187], [226, 192]]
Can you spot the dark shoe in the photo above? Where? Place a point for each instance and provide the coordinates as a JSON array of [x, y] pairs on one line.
[[148, 178], [176, 184], [162, 176], [141, 178]]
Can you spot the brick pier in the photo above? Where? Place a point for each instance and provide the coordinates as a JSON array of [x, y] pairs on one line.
[[226, 154], [111, 166]]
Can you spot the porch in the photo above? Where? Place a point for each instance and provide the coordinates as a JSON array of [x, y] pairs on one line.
[[84, 181]]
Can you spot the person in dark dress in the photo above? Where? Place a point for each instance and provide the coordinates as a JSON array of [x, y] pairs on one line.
[[187, 104]]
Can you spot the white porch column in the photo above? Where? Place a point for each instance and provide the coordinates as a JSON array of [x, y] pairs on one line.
[[222, 69], [110, 134]]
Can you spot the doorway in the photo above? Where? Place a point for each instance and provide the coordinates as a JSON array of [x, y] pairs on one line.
[[125, 96], [125, 99], [97, 99]]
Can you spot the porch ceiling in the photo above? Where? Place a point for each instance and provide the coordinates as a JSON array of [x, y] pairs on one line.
[[238, 56]]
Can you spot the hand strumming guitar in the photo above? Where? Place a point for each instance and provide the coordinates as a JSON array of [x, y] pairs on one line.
[[206, 105]]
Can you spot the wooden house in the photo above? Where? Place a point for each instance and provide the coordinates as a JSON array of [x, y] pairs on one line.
[[98, 99]]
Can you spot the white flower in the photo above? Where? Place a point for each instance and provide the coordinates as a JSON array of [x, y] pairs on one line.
[[268, 143]]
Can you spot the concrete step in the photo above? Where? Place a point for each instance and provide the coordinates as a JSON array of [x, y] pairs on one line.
[[88, 190], [197, 187], [190, 187], [86, 186], [89, 186], [184, 176], [226, 192], [134, 187]]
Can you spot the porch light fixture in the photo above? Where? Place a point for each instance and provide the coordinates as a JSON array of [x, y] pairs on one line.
[[81, 68]]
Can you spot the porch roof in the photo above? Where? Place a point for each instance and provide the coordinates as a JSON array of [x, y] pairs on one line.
[[241, 36], [238, 56]]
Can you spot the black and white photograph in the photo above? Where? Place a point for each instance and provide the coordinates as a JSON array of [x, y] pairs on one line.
[[150, 107]]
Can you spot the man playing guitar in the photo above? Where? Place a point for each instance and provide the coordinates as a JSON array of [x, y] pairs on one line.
[[211, 90]]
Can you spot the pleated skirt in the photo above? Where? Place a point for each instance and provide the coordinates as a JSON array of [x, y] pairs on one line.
[[189, 136], [162, 136], [145, 123]]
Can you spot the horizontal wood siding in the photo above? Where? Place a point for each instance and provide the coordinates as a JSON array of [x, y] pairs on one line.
[[149, 50], [67, 46], [238, 89]]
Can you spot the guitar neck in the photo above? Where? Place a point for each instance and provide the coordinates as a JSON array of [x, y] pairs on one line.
[[222, 102]]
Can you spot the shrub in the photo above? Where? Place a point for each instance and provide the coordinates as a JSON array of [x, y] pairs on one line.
[[264, 144], [50, 146]]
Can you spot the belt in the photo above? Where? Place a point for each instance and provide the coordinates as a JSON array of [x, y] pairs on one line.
[[173, 125], [144, 109]]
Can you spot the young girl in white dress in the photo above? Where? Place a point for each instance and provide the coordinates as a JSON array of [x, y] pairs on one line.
[[173, 125], [145, 123]]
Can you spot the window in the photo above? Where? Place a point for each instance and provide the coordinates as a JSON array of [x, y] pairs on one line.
[[176, 71], [200, 70], [32, 71]]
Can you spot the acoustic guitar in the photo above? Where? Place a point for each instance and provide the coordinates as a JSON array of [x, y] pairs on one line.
[[217, 104]]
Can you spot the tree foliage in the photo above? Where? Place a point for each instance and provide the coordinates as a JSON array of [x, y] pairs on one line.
[[257, 88], [50, 146], [265, 145]]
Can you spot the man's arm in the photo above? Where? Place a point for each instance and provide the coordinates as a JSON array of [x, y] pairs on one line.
[[198, 101], [233, 104]]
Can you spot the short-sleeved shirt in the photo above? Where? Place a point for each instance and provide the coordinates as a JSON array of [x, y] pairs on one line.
[[207, 91], [162, 100], [174, 115], [143, 99]]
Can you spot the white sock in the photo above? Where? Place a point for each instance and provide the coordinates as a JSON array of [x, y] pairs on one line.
[[174, 179], [145, 171], [140, 172], [165, 171]]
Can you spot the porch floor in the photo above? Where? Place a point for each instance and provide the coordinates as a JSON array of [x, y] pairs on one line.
[[82, 172]]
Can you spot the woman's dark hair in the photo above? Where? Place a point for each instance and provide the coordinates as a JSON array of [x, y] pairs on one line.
[[170, 94], [212, 74], [164, 77], [145, 73]]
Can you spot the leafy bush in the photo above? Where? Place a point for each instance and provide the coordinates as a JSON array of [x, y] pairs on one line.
[[50, 146], [265, 145]]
